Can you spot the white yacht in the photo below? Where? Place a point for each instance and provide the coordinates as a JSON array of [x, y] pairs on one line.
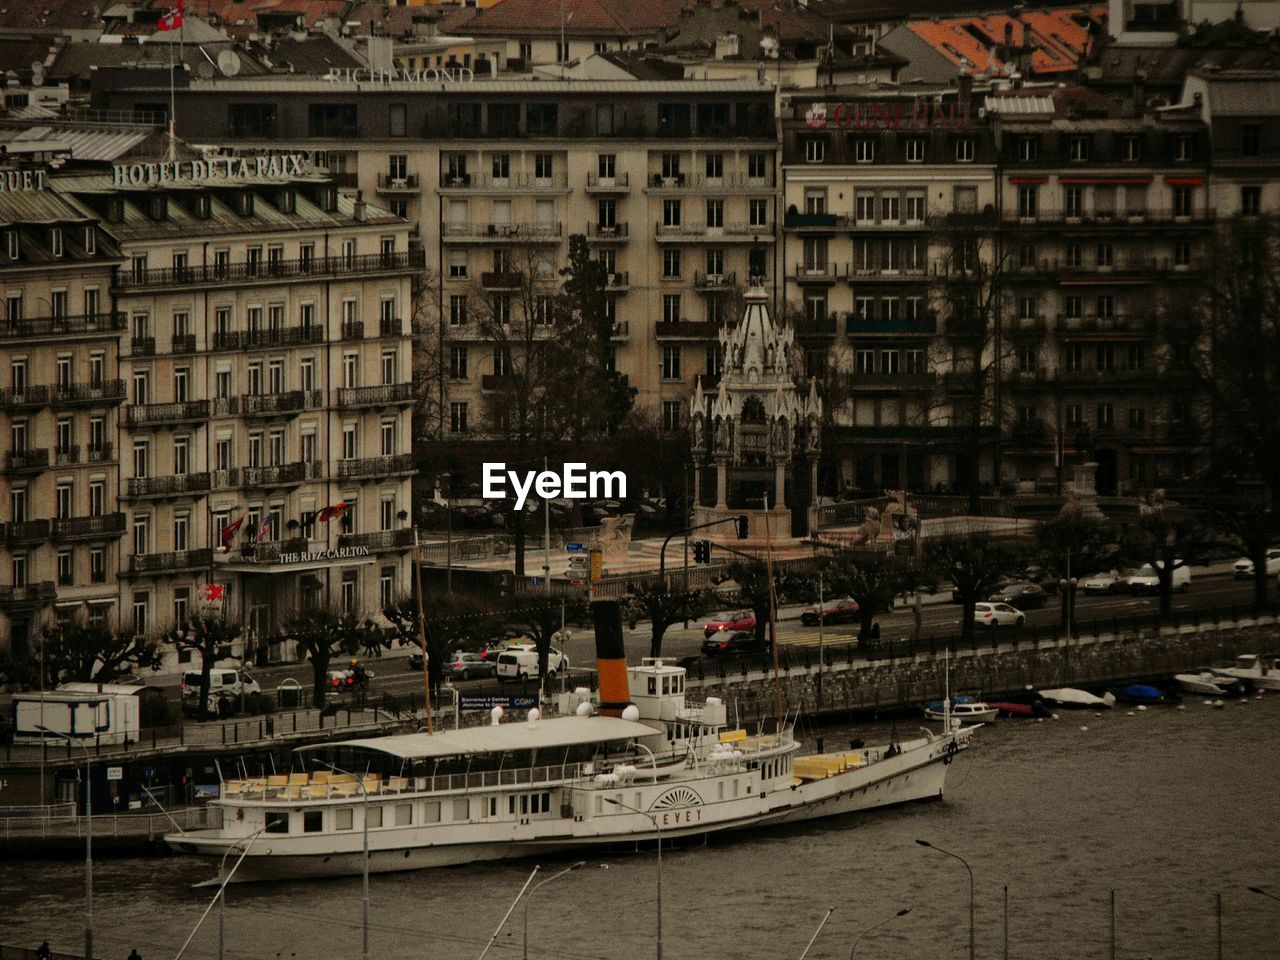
[[1263, 671], [528, 788]]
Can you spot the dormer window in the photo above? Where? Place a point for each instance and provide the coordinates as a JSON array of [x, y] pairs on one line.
[[159, 207], [244, 203], [200, 206], [115, 210], [1182, 148], [285, 200], [55, 241], [91, 240], [11, 244], [1078, 149]]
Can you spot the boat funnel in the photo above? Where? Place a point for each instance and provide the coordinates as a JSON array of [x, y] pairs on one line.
[[611, 657]]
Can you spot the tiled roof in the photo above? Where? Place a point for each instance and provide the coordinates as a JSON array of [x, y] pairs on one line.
[[618, 18], [1059, 39]]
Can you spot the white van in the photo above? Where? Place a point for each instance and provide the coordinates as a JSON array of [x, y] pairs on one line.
[[519, 661], [224, 681], [1146, 580]]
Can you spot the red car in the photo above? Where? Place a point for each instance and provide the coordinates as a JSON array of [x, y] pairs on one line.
[[731, 623], [843, 611]]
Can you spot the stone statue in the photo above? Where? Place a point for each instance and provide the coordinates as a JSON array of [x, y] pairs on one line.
[[722, 436], [778, 438], [813, 436], [697, 430]]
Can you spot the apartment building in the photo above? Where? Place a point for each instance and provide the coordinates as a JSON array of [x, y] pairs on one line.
[[61, 536], [672, 183], [871, 190], [255, 370]]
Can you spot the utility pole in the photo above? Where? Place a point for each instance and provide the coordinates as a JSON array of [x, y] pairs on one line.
[[422, 628]]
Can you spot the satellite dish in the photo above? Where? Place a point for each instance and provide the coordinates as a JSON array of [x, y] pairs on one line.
[[204, 70], [229, 63]]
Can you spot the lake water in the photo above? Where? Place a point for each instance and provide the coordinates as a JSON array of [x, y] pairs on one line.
[[1167, 808]]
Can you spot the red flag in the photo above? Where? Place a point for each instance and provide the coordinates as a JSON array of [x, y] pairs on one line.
[[214, 592], [264, 528], [229, 532], [333, 512], [171, 20]]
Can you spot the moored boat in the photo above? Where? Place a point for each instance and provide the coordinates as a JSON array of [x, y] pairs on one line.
[[1139, 693], [1074, 699], [1261, 671], [963, 711], [1205, 683]]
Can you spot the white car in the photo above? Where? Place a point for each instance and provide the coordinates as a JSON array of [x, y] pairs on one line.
[[1244, 566], [227, 683], [997, 615], [519, 661], [1112, 581], [1146, 580]]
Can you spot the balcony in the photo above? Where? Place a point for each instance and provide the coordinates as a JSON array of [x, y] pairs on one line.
[[495, 381], [102, 453], [27, 594], [1034, 433], [714, 282], [819, 222], [24, 531], [89, 394], [517, 183], [29, 398], [1063, 217], [1092, 377], [867, 326], [892, 381], [374, 468], [281, 475], [142, 346], [1123, 326], [27, 461], [183, 343], [398, 186], [617, 281], [703, 184], [611, 233], [165, 414], [39, 327], [824, 273], [353, 330], [378, 540], [387, 395], [605, 186], [621, 330], [817, 326], [150, 564], [497, 280], [856, 273], [701, 233], [88, 528], [235, 274], [390, 327], [66, 456], [273, 337], [687, 330], [180, 485], [280, 404], [534, 233]]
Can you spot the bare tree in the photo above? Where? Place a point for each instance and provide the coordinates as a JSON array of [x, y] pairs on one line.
[[89, 652], [975, 564], [211, 638]]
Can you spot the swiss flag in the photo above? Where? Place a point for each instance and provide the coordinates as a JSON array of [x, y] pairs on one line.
[[171, 20]]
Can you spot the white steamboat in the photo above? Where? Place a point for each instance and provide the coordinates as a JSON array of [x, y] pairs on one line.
[[528, 788]]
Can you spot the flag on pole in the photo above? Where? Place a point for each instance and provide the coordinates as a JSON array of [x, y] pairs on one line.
[[264, 528], [171, 20], [229, 532], [333, 512]]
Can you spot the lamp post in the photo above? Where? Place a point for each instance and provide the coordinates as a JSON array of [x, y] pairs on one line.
[[956, 856], [875, 926], [529, 896], [364, 830], [658, 828], [88, 840]]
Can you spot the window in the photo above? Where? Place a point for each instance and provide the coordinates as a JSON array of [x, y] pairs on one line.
[[671, 213], [1131, 149], [864, 150], [1073, 357], [757, 166], [914, 150], [66, 568], [458, 417], [1106, 413], [889, 208], [965, 199], [457, 310], [1183, 148], [1028, 200], [458, 362], [1028, 148], [715, 214], [1078, 149], [888, 361], [332, 121], [914, 360], [1104, 357], [815, 150], [1106, 256], [606, 166], [387, 585], [915, 207], [1137, 418], [1250, 201], [966, 150], [1073, 306], [1251, 140], [541, 118], [1137, 356], [141, 600], [387, 436], [1028, 357], [670, 361], [713, 164], [1073, 202], [671, 308], [671, 418], [55, 241], [1075, 415], [865, 361], [349, 586], [670, 264], [1183, 201], [1073, 255], [758, 213], [97, 565], [1028, 308], [1106, 304], [1027, 258], [1182, 253]]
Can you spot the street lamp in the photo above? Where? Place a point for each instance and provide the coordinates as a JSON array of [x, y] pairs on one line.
[[1262, 893], [529, 896], [658, 828], [956, 856], [88, 840], [364, 829], [858, 939]]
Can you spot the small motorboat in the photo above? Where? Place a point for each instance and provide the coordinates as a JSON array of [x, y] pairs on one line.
[[1204, 683], [1139, 693], [964, 710], [1263, 672], [1011, 708], [1074, 699]]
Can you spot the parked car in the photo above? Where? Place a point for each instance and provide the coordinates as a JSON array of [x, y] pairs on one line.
[[730, 622], [226, 683], [736, 644], [1113, 581], [1146, 580], [520, 662], [464, 665], [841, 611], [993, 615], [1048, 581], [1244, 566], [1024, 596], [1001, 583]]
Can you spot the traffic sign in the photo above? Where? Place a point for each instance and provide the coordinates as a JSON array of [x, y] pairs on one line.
[[575, 547], [115, 773], [577, 560]]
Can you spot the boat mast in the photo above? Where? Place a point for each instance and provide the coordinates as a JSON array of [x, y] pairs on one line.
[[946, 688], [773, 615]]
